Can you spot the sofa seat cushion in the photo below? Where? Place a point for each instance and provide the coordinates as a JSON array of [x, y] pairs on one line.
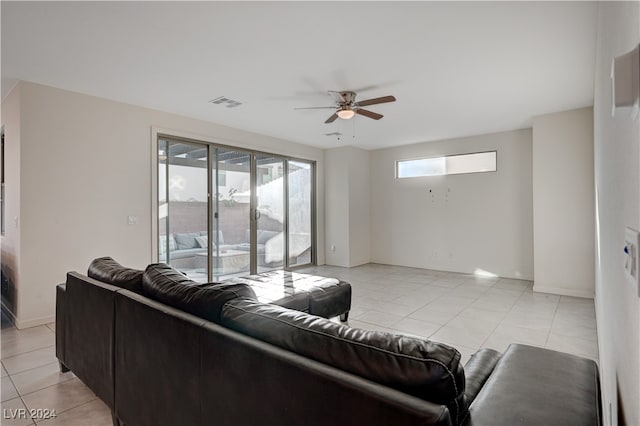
[[321, 296], [421, 368], [183, 254], [536, 386], [166, 285], [278, 288], [107, 270]]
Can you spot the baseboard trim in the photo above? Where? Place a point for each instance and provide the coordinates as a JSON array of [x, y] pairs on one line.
[[585, 294], [33, 322]]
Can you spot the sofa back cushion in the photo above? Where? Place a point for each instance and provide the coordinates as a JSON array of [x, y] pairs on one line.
[[107, 270], [421, 368], [189, 240], [164, 284], [186, 240], [166, 244]]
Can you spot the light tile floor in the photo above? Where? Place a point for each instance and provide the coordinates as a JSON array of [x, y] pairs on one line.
[[31, 380], [466, 311], [461, 310]]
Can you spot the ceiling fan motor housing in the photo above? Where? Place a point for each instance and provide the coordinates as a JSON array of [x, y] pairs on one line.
[[347, 98]]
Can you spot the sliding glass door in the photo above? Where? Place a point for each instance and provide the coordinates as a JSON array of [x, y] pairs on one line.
[[183, 207], [300, 212], [270, 214], [231, 218], [226, 212]]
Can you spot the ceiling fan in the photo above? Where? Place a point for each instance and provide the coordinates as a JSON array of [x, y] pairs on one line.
[[346, 106]]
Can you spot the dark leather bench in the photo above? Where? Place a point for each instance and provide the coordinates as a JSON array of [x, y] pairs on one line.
[[321, 296]]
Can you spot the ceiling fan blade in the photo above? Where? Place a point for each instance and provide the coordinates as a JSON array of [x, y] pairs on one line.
[[331, 119], [327, 107], [374, 101], [369, 114]]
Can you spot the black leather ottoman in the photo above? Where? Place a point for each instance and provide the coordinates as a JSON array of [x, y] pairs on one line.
[[532, 386], [321, 296]]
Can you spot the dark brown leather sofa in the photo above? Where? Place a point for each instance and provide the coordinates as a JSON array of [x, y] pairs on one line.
[[160, 351]]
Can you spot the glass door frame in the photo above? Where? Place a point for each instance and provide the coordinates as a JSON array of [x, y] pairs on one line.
[[214, 215], [212, 159], [254, 209], [167, 174], [313, 225]]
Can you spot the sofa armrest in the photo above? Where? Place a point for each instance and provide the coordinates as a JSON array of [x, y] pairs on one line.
[[61, 312], [478, 369], [89, 333]]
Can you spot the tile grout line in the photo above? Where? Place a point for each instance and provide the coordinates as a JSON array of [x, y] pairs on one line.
[[19, 396], [27, 352], [502, 320], [492, 331], [455, 316], [50, 386], [66, 411], [555, 314], [30, 350], [32, 368]]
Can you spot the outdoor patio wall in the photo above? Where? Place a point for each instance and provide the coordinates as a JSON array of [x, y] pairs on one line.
[[617, 178], [85, 165], [481, 222]]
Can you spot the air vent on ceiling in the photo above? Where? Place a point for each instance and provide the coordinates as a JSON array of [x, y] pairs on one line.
[[333, 134], [223, 101]]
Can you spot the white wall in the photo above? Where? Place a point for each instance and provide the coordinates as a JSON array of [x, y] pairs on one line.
[[85, 166], [347, 206], [336, 186], [463, 223], [359, 207], [563, 203], [617, 179]]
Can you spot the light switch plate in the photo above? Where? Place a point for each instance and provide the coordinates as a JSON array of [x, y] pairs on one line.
[[631, 259]]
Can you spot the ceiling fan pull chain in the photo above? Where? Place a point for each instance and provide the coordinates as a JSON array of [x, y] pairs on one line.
[[353, 136]]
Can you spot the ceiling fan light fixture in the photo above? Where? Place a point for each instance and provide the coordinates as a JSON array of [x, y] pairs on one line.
[[346, 113]]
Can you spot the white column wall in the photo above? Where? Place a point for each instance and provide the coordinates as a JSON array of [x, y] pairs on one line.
[[563, 203], [347, 200]]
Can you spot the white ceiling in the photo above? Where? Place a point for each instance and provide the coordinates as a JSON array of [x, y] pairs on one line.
[[456, 68]]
